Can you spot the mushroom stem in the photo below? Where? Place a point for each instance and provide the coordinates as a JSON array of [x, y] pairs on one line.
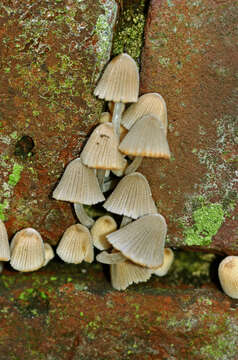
[[125, 220], [134, 165], [82, 216], [116, 116], [101, 173]]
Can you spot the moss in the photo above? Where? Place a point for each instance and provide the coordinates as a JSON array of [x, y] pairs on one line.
[[207, 221], [130, 30], [15, 176]]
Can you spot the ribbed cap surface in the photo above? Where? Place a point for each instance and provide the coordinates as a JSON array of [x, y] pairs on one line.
[[151, 103], [27, 250], [146, 137], [132, 197], [76, 245], [142, 241], [78, 184], [101, 150], [4, 244], [120, 80]]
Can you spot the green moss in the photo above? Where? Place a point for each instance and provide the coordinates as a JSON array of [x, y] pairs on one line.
[[15, 176], [130, 30], [207, 221]]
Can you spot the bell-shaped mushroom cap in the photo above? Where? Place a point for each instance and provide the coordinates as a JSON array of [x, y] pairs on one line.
[[228, 276], [78, 184], [132, 197], [101, 150], [113, 258], [4, 244], [102, 227], [27, 250], [142, 241], [151, 103], [120, 80], [146, 137], [163, 269], [49, 253], [76, 245], [126, 273]]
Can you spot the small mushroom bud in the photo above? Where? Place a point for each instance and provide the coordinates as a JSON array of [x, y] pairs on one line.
[[228, 276]]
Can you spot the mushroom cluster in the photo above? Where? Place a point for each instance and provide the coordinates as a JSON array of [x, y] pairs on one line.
[[108, 165], [136, 249]]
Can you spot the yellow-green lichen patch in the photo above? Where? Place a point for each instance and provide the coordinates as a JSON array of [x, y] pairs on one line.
[[130, 29], [207, 221]]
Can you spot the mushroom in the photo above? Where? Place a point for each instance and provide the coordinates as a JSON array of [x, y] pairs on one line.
[[142, 241], [146, 138], [4, 244], [228, 276], [49, 253], [79, 185], [151, 103], [76, 245], [27, 250], [126, 273], [120, 84], [163, 269], [1, 266], [123, 271], [132, 198], [101, 151], [102, 227]]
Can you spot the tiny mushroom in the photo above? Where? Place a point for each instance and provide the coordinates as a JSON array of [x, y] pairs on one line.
[[146, 138], [228, 276], [76, 245], [163, 269], [27, 250], [120, 84], [103, 226], [132, 197], [49, 253], [79, 185], [142, 241], [4, 244], [151, 103], [101, 151], [123, 271]]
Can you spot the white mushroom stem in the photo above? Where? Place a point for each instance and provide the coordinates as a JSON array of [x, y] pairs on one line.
[[125, 220], [82, 216], [116, 116], [134, 165], [101, 173], [1, 266]]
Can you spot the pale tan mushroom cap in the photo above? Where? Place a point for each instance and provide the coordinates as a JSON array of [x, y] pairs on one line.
[[113, 258], [151, 103], [142, 241], [147, 138], [163, 269], [228, 276], [132, 197], [78, 184], [49, 253], [76, 245], [4, 243], [102, 227], [126, 273], [101, 150], [27, 250], [120, 80]]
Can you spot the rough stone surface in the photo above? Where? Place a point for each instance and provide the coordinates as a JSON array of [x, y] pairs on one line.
[[52, 53], [190, 57], [71, 312]]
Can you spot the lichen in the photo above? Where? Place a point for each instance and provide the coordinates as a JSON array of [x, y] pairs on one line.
[[129, 35], [207, 221], [15, 176]]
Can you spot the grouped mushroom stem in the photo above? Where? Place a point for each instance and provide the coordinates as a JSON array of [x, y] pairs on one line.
[[116, 116], [83, 216]]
